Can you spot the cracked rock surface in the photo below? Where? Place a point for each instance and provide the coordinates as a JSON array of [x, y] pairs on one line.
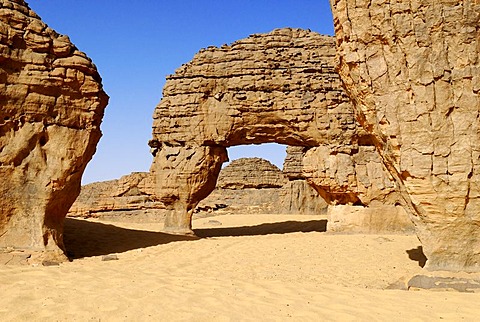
[[411, 69]]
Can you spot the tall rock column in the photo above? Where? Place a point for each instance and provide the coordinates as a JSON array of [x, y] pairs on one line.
[[183, 176], [411, 69], [51, 107]]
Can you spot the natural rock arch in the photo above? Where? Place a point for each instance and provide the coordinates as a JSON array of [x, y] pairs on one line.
[[278, 87]]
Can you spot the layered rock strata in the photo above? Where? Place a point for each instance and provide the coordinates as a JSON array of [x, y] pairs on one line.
[[293, 164], [128, 197], [245, 186], [255, 186], [52, 104], [254, 173], [277, 87], [411, 69]]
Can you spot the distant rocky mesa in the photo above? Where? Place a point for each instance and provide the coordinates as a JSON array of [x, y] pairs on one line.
[[255, 186], [52, 104], [251, 173], [245, 186], [412, 70], [118, 199], [277, 87]]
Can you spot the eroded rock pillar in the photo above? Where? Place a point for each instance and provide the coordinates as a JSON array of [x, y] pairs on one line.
[[51, 107], [182, 177], [412, 70]]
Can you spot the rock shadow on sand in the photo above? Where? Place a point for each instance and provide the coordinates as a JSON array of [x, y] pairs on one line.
[[86, 239], [285, 227]]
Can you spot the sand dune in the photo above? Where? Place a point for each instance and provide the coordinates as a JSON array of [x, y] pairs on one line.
[[267, 268]]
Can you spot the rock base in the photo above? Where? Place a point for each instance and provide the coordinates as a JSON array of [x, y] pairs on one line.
[[423, 282], [369, 220]]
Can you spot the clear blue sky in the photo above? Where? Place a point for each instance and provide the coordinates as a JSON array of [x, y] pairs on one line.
[[136, 44]]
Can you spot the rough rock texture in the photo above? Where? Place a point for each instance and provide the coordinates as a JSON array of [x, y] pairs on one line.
[[52, 104], [298, 197], [182, 177], [126, 197], [245, 186], [358, 178], [251, 173], [255, 186], [411, 69], [277, 87], [293, 164]]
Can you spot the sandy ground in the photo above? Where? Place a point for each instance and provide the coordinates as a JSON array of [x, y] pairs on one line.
[[243, 268]]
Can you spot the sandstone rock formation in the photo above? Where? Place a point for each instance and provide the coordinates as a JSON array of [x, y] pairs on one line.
[[357, 177], [245, 186], [124, 198], [182, 177], [297, 195], [255, 186], [251, 173], [293, 164], [277, 87], [411, 69], [52, 105]]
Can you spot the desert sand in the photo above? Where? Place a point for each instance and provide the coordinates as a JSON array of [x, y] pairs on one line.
[[242, 267]]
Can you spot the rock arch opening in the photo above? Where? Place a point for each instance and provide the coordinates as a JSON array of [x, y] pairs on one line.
[[279, 87], [254, 185], [273, 152]]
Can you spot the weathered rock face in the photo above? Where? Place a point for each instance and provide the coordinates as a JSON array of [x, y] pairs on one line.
[[183, 176], [412, 70], [293, 164], [297, 195], [251, 173], [349, 174], [52, 105], [357, 178], [245, 186], [255, 186], [277, 87], [126, 197]]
